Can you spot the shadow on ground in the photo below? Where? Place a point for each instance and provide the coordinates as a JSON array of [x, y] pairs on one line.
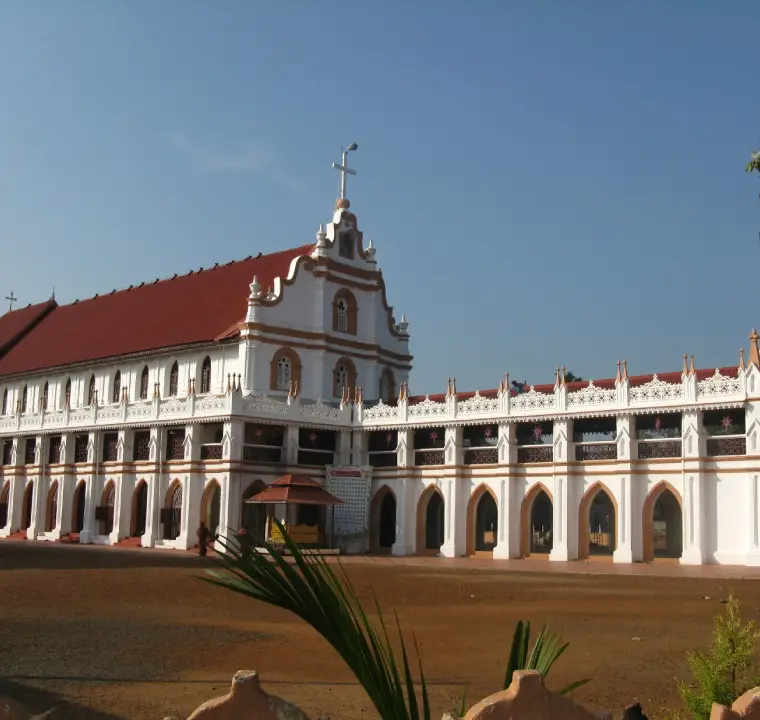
[[26, 555], [38, 701]]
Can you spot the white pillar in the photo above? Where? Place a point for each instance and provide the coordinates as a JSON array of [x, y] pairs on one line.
[[192, 492], [693, 448], [153, 477], [565, 506], [405, 521], [455, 510], [628, 514], [508, 535], [753, 534]]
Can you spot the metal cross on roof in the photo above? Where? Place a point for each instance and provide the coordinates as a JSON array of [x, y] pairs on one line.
[[11, 299], [344, 169]]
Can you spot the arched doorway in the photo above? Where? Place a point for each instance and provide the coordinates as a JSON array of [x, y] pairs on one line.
[[28, 504], [77, 511], [51, 508], [430, 525], [663, 523], [4, 503], [597, 523], [139, 519], [383, 521], [253, 516], [537, 522], [482, 521], [173, 516], [108, 503], [211, 506]]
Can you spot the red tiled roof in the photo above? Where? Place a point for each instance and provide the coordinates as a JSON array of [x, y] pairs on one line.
[[201, 306], [17, 322], [295, 489]]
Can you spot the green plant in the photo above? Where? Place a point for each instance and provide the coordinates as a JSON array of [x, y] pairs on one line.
[[546, 651], [754, 162], [727, 670], [310, 589]]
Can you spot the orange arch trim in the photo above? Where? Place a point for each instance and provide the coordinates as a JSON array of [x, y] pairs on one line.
[[583, 517], [647, 520], [422, 504], [472, 509]]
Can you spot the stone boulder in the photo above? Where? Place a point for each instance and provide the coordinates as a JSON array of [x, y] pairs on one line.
[[247, 701], [745, 707]]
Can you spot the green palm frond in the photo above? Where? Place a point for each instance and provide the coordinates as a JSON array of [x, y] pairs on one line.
[[546, 651], [311, 590]]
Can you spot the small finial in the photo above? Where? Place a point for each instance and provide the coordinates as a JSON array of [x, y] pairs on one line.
[[255, 289], [52, 295], [625, 369], [321, 236], [741, 358], [453, 386], [691, 365], [617, 376], [685, 369], [403, 325], [370, 251], [556, 376], [564, 372], [192, 386], [239, 377], [229, 384], [754, 351]]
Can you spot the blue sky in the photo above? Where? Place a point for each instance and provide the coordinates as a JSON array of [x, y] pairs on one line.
[[546, 183]]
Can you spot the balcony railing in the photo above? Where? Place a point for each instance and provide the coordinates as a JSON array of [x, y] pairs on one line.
[[595, 451], [212, 451], [383, 459], [535, 454], [481, 456], [720, 446], [428, 457], [315, 457], [652, 449], [262, 454]]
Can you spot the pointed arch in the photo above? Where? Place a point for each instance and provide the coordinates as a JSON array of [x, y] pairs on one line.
[[284, 369], [78, 506], [144, 383], [108, 502], [174, 380], [345, 311], [91, 390], [5, 504], [5, 401], [206, 375], [584, 519], [173, 503], [344, 376], [24, 397], [430, 520], [674, 525], [387, 386], [526, 516], [45, 395], [27, 505], [51, 507], [473, 505], [211, 506], [382, 520], [67, 394], [116, 389], [139, 512], [253, 516]]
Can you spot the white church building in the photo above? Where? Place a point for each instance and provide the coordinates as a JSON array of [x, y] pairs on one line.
[[131, 416]]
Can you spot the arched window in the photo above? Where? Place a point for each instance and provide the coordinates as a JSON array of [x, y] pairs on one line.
[[285, 369], [144, 378], [91, 390], [344, 376], [344, 312], [206, 375], [174, 380], [116, 390], [387, 385], [5, 401], [44, 399], [23, 400], [67, 395]]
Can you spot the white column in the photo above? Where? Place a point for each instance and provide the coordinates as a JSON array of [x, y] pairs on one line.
[[290, 442], [343, 448], [153, 477], [508, 535], [231, 503], [628, 513], [405, 521], [565, 506], [453, 532], [15, 505], [360, 449], [91, 489], [753, 534], [192, 492], [693, 448]]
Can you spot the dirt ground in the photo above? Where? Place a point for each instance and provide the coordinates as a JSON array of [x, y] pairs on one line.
[[110, 633]]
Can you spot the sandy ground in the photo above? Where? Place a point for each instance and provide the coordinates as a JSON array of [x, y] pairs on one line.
[[111, 633]]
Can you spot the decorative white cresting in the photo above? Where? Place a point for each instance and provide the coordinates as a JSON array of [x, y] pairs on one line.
[[137, 410], [718, 384], [320, 410], [210, 403], [81, 414], [109, 411], [656, 389], [427, 408], [264, 405], [174, 406], [381, 411], [477, 404], [591, 395], [533, 400]]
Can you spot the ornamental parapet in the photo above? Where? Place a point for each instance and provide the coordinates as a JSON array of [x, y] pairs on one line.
[[174, 410], [622, 396]]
